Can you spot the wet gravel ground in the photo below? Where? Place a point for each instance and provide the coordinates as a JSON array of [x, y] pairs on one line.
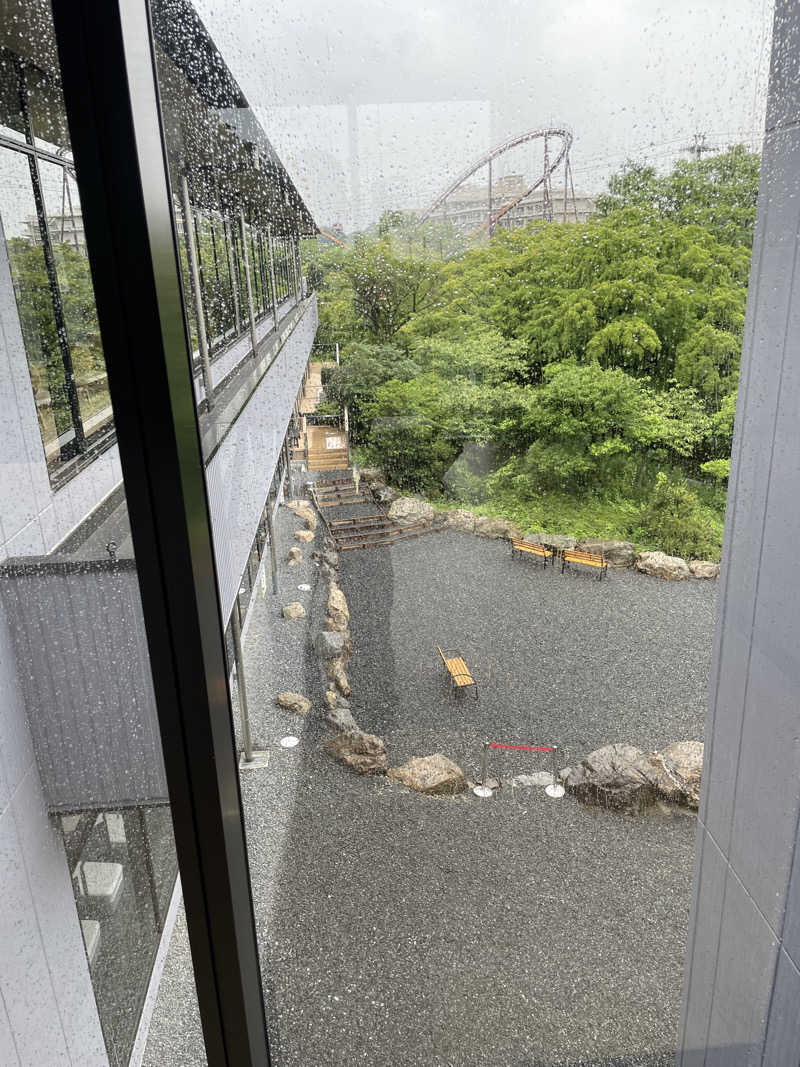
[[521, 931], [516, 932]]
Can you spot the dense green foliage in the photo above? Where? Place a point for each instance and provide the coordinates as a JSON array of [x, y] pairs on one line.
[[580, 377]]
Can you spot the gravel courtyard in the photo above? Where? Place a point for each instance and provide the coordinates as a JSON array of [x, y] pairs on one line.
[[398, 930], [515, 932]]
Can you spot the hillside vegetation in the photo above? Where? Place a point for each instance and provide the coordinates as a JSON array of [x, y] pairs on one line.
[[579, 378]]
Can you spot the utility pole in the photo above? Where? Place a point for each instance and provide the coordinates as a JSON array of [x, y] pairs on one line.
[[698, 146]]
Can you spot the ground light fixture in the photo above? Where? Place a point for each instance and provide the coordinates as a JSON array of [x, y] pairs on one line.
[[290, 741]]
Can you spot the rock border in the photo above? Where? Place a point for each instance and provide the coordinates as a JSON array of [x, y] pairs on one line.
[[620, 555]]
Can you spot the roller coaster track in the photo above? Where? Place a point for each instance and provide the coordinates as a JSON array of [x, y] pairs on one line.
[[545, 133]]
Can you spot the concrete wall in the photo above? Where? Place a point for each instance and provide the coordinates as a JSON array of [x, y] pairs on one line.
[[240, 472], [742, 982]]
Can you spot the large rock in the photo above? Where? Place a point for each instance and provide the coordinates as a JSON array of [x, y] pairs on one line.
[[304, 535], [384, 494], [410, 511], [615, 776], [295, 610], [435, 775], [497, 528], [334, 668], [559, 541], [338, 612], [329, 643], [678, 771], [305, 512], [363, 753], [293, 505], [459, 519], [703, 568], [659, 565], [617, 553], [295, 702], [331, 698], [342, 719], [295, 556]]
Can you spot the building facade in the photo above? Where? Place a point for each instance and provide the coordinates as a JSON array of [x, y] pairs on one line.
[[89, 865]]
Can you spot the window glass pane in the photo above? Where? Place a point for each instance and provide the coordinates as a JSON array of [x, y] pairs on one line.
[[65, 223], [12, 119], [33, 295], [46, 108], [88, 867]]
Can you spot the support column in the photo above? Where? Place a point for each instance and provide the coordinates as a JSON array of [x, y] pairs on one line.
[[273, 556], [288, 456], [248, 285], [244, 716], [197, 296]]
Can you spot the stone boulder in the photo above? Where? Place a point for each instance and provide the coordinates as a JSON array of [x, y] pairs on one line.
[[295, 702], [703, 568], [620, 777], [435, 775], [331, 698], [559, 541], [617, 553], [305, 512], [678, 771], [295, 557], [411, 511], [384, 494], [293, 505], [328, 557], [496, 528], [295, 610], [363, 753], [459, 519], [334, 668], [342, 719], [304, 535], [659, 565], [329, 643], [338, 612]]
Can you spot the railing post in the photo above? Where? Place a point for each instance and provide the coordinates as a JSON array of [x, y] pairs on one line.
[[273, 286], [248, 286], [197, 296], [237, 315]]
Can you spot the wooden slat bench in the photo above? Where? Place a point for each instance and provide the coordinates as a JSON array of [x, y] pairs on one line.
[[457, 669], [541, 551], [587, 559]]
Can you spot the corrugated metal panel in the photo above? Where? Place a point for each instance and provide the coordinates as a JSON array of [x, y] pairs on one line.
[[82, 659]]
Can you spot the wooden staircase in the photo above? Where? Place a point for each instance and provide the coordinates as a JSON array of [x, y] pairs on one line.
[[359, 531]]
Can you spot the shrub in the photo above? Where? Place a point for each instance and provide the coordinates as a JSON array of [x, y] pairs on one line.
[[673, 519]]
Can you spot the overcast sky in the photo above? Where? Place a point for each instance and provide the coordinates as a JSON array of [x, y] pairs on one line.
[[382, 103]]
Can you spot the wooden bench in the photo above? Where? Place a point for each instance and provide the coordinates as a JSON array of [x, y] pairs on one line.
[[542, 551], [587, 559], [457, 669]]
